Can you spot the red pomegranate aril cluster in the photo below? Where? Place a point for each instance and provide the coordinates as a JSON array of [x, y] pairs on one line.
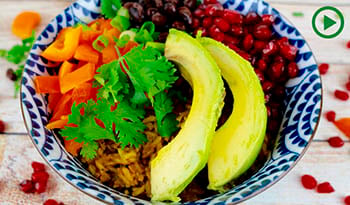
[[38, 181]]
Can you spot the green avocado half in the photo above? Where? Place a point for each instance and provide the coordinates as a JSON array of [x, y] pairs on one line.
[[179, 162], [238, 141]]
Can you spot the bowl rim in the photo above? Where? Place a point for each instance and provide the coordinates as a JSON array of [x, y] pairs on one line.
[[255, 193]]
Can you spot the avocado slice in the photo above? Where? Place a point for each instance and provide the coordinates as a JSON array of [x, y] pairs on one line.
[[179, 162], [238, 142]]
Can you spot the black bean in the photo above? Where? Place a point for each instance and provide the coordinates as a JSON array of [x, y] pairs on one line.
[[136, 11], [179, 25], [151, 11], [170, 9], [158, 3], [185, 14], [159, 19], [175, 2], [191, 4], [10, 73], [162, 36]]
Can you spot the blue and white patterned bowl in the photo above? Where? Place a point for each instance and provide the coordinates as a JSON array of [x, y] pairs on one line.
[[303, 106]]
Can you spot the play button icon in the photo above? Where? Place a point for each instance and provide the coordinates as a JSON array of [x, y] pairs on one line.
[[328, 22]]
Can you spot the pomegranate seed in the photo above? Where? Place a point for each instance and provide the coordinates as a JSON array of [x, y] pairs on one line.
[[259, 45], [261, 65], [222, 24], [207, 22], [279, 59], [210, 1], [219, 37], [341, 95], [262, 32], [251, 18], [245, 55], [248, 42], [267, 98], [323, 68], [37, 166], [214, 10], [233, 47], [267, 86], [268, 109], [2, 126], [51, 202], [276, 71], [293, 70], [202, 6], [267, 19], [282, 41], [289, 51], [270, 49], [195, 23], [40, 176], [229, 39], [232, 17], [213, 31], [279, 91], [308, 181], [347, 200], [40, 187], [347, 85], [260, 75], [335, 142], [325, 188], [348, 44], [330, 115], [199, 13], [27, 186], [236, 30]]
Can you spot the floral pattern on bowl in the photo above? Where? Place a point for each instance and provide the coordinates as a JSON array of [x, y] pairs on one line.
[[303, 107]]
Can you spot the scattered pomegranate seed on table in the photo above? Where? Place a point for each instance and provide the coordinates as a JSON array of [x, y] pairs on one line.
[[27, 186], [330, 115], [308, 181], [347, 200], [341, 95], [38, 181], [347, 85], [323, 68], [335, 142], [348, 44], [52, 202], [325, 188], [2, 126]]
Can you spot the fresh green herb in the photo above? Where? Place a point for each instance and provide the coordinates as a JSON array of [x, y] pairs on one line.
[[17, 55], [166, 119], [298, 14], [126, 119], [84, 26], [159, 46], [123, 40], [112, 81], [121, 21], [145, 34], [109, 8], [149, 71], [101, 40]]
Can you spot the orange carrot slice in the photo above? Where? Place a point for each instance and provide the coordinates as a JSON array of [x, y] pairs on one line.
[[58, 124], [53, 99], [72, 147], [343, 125], [109, 54], [47, 84], [65, 68], [77, 77], [82, 93], [63, 107], [24, 24], [86, 53]]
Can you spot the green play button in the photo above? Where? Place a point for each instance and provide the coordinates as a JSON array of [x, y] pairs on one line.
[[328, 22]]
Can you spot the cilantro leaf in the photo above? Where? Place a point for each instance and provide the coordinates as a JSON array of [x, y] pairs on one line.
[[166, 120], [109, 8], [149, 71], [89, 150], [114, 83]]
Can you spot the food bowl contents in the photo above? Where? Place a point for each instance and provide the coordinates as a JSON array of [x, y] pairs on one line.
[[151, 119]]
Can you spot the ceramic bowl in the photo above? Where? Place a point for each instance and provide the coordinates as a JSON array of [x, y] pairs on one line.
[[302, 110]]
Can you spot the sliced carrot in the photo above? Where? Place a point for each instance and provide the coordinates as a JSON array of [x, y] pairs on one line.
[[65, 68], [64, 47], [111, 34], [82, 93], [58, 124], [109, 54], [63, 107], [343, 125], [53, 100], [77, 77], [128, 47], [101, 24], [86, 53], [72, 146], [89, 36], [47, 84], [24, 24]]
